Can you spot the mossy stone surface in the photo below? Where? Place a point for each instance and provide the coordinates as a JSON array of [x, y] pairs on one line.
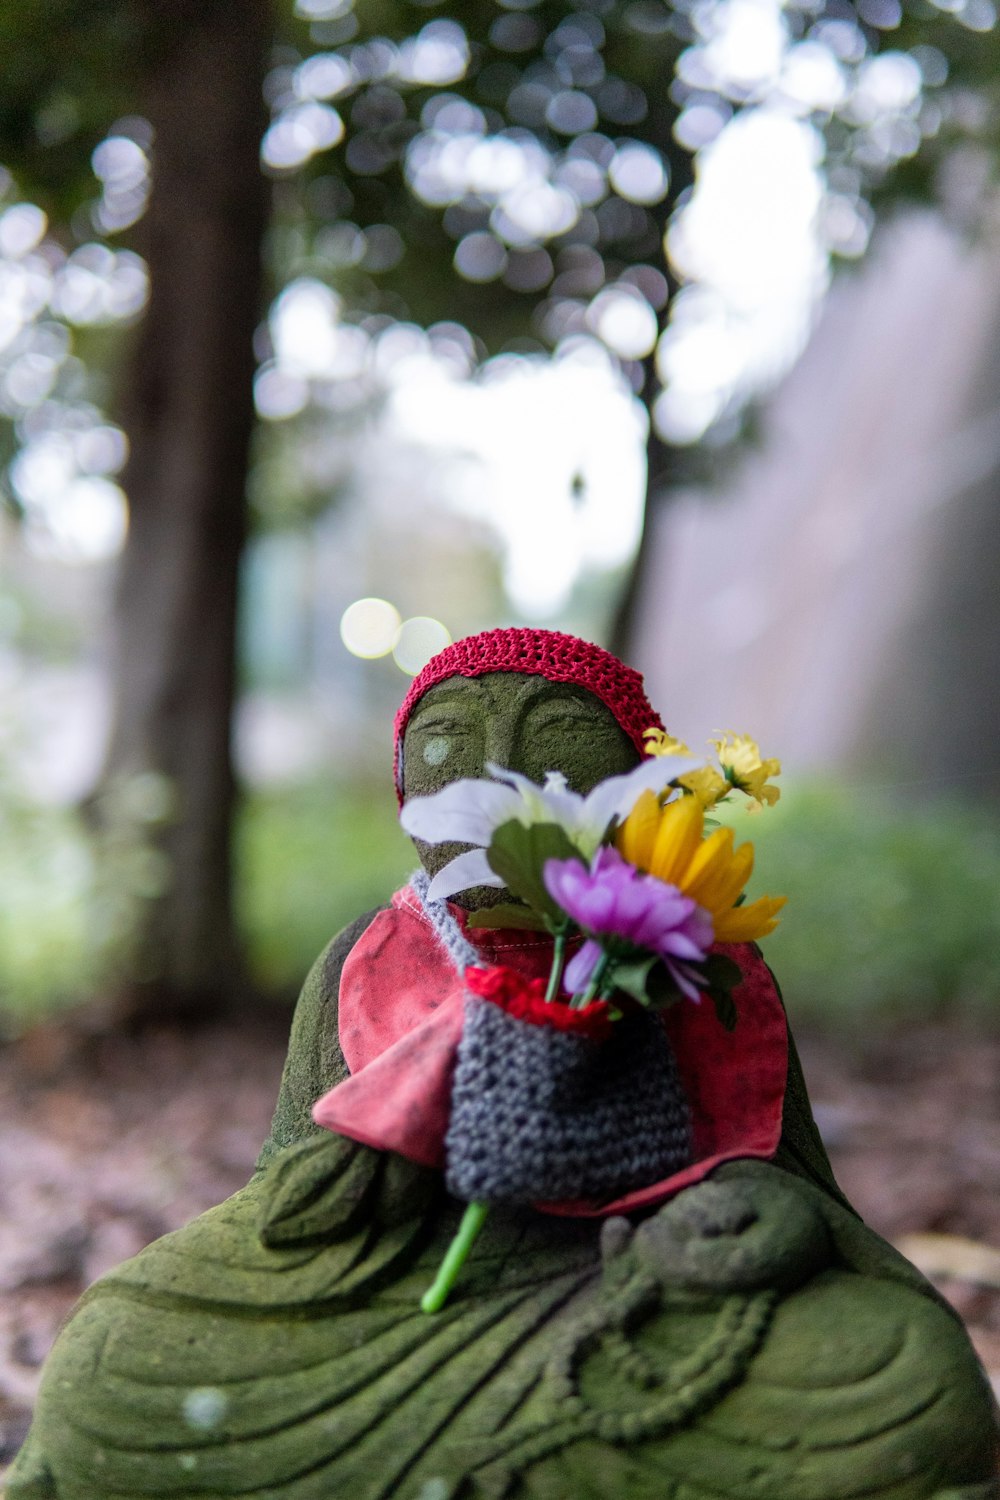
[[725, 1347], [750, 1340]]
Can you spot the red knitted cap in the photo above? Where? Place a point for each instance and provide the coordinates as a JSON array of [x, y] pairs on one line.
[[544, 653]]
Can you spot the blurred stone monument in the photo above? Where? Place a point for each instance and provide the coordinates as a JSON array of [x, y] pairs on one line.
[[841, 590]]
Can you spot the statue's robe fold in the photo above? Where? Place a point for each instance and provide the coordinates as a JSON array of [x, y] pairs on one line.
[[274, 1347]]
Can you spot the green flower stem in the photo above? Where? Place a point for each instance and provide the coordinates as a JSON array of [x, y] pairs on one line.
[[558, 963], [473, 1220], [596, 980]]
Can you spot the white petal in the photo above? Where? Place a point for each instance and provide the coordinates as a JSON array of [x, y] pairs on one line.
[[551, 803], [564, 807], [466, 811], [513, 778], [528, 791], [616, 797], [460, 873]]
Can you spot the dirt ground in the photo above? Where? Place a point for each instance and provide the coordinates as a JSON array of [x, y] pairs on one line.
[[110, 1141]]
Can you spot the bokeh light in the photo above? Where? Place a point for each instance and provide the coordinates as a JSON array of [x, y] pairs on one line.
[[67, 452], [748, 245], [370, 628], [122, 165], [541, 165], [624, 321], [299, 133], [552, 462], [21, 227], [420, 638]]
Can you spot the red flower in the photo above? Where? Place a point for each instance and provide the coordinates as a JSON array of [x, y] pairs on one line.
[[525, 1000]]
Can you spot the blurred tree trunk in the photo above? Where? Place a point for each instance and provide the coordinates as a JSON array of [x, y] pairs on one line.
[[187, 408]]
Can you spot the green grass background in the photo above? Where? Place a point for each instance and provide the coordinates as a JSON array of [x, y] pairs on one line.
[[893, 906]]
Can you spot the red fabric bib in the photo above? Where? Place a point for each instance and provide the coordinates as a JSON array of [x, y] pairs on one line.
[[401, 1014]]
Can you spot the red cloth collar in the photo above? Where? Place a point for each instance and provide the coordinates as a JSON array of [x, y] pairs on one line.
[[401, 1016]]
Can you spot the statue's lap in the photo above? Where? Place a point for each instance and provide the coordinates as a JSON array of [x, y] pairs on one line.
[[693, 1360]]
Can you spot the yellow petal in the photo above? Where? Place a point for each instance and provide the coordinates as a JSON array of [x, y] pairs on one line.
[[637, 835], [706, 784], [731, 880], [659, 742], [678, 838], [706, 874], [742, 924]]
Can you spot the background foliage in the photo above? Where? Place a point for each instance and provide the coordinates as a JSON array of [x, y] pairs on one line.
[[503, 174], [892, 912]]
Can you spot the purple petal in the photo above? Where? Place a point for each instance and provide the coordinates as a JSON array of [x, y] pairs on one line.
[[688, 983], [681, 946], [608, 859], [585, 898], [656, 908], [581, 966], [562, 878]]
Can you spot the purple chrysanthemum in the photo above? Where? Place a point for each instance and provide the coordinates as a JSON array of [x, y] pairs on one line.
[[613, 899]]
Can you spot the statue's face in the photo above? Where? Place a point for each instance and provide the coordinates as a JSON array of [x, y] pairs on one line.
[[516, 720]]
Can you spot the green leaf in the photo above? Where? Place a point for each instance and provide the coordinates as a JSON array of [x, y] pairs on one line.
[[649, 981], [721, 973], [722, 976], [507, 916], [633, 978], [724, 1008], [517, 854], [661, 987]]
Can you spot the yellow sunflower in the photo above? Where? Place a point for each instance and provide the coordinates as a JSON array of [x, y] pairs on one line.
[[669, 842]]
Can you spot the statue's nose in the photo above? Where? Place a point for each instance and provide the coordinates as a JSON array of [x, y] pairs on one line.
[[501, 742]]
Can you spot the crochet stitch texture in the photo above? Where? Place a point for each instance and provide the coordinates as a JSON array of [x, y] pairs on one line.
[[540, 1116], [544, 653], [543, 1115]]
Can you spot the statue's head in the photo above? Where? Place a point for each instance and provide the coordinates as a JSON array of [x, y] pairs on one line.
[[529, 700]]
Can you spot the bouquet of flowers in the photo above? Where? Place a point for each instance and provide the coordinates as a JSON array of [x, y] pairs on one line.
[[568, 1088]]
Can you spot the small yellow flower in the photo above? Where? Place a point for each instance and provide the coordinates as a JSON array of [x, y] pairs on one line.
[[706, 784], [659, 742], [740, 759], [668, 842]]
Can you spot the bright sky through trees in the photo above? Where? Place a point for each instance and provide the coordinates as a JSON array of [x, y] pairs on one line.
[[556, 446]]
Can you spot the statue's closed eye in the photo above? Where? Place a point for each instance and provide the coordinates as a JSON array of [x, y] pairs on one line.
[[569, 719], [444, 723]]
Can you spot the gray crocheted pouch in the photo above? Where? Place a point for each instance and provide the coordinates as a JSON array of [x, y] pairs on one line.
[[544, 1115]]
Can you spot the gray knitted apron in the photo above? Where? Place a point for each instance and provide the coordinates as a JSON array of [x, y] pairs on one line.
[[539, 1115]]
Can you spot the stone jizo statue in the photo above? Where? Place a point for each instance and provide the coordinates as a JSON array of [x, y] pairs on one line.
[[745, 1338]]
